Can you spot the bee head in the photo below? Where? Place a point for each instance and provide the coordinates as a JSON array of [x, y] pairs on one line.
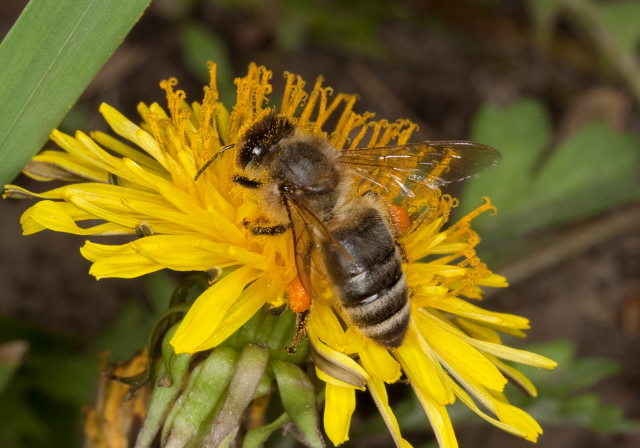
[[258, 143]]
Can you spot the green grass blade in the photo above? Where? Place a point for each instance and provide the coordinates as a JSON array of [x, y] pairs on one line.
[[46, 61]]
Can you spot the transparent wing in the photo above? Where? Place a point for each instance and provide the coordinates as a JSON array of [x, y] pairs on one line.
[[308, 230], [406, 170]]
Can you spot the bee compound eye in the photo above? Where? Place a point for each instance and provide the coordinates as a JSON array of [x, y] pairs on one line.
[[252, 155], [257, 151]]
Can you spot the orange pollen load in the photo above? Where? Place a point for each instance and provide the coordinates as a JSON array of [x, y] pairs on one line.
[[299, 298], [400, 218]]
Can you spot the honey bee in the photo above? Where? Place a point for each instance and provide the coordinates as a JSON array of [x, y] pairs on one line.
[[335, 203]]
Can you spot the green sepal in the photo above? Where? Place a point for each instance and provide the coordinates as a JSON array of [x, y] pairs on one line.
[[165, 392], [246, 333], [267, 323], [207, 385], [299, 400], [264, 387], [242, 388], [256, 437]]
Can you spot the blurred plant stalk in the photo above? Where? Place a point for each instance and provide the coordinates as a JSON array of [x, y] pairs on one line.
[[585, 14]]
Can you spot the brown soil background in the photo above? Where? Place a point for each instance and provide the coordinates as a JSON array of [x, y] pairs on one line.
[[438, 78]]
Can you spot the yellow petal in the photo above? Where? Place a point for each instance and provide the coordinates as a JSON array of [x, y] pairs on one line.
[[501, 351], [494, 280], [203, 318], [86, 150], [93, 251], [54, 216], [379, 393], [465, 309], [458, 355], [329, 379], [166, 212], [448, 248], [419, 242], [512, 354], [125, 128], [514, 375], [423, 368], [178, 252], [232, 252], [249, 302], [102, 213], [123, 267], [130, 153], [226, 228], [179, 199], [340, 402], [517, 418], [440, 422], [60, 165], [468, 401], [324, 323], [477, 331], [421, 272], [379, 363]]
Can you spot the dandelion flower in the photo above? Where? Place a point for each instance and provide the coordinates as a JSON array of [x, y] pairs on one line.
[[146, 187]]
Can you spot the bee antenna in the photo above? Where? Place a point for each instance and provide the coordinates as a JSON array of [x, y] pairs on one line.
[[211, 160]]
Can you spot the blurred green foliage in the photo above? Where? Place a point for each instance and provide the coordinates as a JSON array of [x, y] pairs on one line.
[[563, 394], [610, 26], [201, 45], [351, 27], [539, 186], [619, 17], [42, 406], [537, 191]]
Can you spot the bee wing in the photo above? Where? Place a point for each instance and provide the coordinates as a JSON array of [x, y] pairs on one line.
[[307, 228], [405, 169]]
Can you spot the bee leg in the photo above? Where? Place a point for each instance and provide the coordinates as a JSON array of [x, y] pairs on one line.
[[278, 310], [301, 326], [403, 253], [269, 230]]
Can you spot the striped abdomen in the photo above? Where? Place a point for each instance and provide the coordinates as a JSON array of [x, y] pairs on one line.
[[372, 288]]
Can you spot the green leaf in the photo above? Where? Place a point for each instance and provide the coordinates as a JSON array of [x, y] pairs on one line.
[[560, 400], [572, 373], [21, 424], [48, 58], [42, 402], [621, 19], [520, 133], [591, 171]]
